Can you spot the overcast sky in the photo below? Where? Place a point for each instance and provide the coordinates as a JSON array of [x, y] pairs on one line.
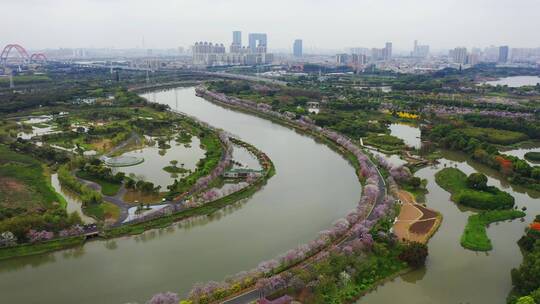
[[325, 24]]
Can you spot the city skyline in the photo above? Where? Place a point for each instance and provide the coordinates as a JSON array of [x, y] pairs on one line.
[[119, 23]]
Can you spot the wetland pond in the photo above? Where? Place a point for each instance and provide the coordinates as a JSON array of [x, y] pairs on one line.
[[453, 274]]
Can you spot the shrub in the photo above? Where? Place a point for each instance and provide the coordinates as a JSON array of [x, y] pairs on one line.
[[414, 254], [526, 300], [492, 200], [477, 181]]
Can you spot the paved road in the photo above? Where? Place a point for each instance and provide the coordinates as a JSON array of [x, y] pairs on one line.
[[244, 77]]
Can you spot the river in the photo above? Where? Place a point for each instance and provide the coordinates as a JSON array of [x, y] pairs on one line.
[[313, 187], [453, 274], [515, 81]]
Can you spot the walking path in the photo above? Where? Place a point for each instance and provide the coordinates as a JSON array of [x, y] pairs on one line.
[[117, 199], [415, 222], [253, 293]]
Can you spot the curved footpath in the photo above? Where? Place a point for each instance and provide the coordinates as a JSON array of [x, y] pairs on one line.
[[116, 199], [253, 294]]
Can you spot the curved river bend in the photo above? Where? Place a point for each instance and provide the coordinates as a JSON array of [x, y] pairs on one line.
[[313, 187]]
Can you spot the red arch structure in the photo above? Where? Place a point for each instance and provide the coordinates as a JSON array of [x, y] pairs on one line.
[[38, 57], [5, 53]]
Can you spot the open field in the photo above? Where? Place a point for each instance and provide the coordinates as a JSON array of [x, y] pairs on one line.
[[496, 136], [23, 182]]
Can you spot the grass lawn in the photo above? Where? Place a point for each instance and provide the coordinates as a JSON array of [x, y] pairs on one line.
[[385, 142], [496, 136], [107, 188], [455, 182], [24, 182], [103, 211], [474, 236]]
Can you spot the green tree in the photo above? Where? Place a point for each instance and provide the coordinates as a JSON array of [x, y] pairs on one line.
[[526, 278], [414, 254], [477, 181], [526, 300], [415, 182]]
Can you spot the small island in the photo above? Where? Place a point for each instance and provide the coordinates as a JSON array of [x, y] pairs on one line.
[[173, 168], [532, 156], [472, 191]]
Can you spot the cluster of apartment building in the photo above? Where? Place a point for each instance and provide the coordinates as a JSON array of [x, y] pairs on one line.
[[501, 54], [215, 54], [361, 56]]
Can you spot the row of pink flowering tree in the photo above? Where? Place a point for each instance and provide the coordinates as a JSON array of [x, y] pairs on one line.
[[346, 234]]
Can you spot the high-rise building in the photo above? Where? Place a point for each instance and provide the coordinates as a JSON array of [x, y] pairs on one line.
[[210, 54], [458, 55], [255, 40], [420, 51], [377, 54], [360, 51], [297, 48], [387, 51], [531, 55], [342, 58], [236, 45], [358, 59], [503, 54], [473, 59], [237, 38]]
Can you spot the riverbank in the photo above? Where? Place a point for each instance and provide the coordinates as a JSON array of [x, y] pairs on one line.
[[206, 209], [154, 223], [367, 171], [303, 130], [41, 247]]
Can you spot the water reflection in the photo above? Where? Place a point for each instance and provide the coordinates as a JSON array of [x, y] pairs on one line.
[[300, 200], [409, 133], [521, 154], [414, 276], [155, 159], [454, 274], [74, 204]]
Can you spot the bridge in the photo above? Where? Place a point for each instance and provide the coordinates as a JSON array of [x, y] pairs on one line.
[[111, 66], [23, 56]]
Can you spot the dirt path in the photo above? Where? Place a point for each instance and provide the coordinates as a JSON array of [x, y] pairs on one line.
[[415, 222]]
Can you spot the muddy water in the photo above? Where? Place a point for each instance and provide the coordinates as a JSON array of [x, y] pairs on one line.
[[453, 274], [312, 188]]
